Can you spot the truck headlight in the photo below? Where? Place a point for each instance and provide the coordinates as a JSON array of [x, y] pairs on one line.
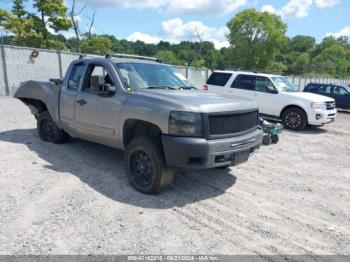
[[319, 106], [185, 124]]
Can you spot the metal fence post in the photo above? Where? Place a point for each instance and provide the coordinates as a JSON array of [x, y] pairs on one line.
[[60, 64], [3, 58]]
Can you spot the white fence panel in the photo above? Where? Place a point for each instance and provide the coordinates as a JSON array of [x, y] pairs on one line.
[[66, 59], [198, 77], [2, 76], [21, 67]]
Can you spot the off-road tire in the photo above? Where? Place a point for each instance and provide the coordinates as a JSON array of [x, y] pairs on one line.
[[48, 131], [155, 174], [294, 119]]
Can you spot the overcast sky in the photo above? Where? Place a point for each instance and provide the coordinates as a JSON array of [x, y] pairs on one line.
[[176, 20]]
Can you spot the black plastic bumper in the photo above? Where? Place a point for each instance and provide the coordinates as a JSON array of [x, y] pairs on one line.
[[200, 153]]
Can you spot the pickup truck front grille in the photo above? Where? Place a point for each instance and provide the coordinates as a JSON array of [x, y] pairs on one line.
[[234, 123], [330, 105]]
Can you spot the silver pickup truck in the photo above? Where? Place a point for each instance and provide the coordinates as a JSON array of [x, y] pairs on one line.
[[149, 110]]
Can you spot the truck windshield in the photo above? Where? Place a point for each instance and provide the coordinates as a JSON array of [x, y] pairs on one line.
[[283, 84], [152, 76]]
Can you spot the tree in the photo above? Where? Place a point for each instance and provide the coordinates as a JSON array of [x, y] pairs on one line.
[[333, 60], [168, 57], [98, 45], [256, 38], [18, 9], [52, 15], [302, 43]]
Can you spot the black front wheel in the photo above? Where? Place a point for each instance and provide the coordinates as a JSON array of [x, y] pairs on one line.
[[145, 166], [49, 131], [294, 119]]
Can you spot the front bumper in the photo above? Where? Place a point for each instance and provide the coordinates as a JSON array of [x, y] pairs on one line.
[[319, 117], [200, 153]]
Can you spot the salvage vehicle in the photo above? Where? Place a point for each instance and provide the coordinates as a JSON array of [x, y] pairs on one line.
[[276, 97], [341, 94], [147, 109]]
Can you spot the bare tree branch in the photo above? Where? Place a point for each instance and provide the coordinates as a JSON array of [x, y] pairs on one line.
[[75, 23], [92, 21]]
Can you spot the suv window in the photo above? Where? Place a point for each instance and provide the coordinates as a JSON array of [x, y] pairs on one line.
[[325, 90], [340, 91], [245, 82], [75, 77], [263, 84], [219, 79]]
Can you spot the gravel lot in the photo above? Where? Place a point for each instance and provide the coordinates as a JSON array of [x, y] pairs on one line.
[[290, 198]]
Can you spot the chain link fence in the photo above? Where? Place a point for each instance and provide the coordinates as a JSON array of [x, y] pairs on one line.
[[17, 65]]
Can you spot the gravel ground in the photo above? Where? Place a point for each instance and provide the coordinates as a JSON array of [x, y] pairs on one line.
[[290, 198]]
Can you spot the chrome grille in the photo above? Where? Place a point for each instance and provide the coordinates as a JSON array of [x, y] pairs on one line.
[[230, 124], [330, 105]]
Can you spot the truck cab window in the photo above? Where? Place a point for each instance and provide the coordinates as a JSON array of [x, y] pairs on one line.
[[75, 76], [96, 71]]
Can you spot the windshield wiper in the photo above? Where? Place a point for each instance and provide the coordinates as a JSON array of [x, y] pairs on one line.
[[161, 87]]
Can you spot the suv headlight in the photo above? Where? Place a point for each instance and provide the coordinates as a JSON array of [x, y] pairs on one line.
[[319, 106], [185, 124]]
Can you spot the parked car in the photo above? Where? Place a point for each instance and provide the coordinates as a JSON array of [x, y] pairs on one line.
[[145, 108], [276, 98], [341, 94]]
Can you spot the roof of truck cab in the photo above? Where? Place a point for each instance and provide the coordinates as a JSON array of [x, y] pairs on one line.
[[121, 60], [246, 73]]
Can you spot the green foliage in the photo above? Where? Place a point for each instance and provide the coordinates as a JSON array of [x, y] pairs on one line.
[[169, 57], [302, 43], [53, 14], [98, 45], [256, 37], [333, 60], [18, 8]]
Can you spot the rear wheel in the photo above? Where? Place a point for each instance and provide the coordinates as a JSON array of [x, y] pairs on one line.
[[49, 131], [294, 119], [145, 166]]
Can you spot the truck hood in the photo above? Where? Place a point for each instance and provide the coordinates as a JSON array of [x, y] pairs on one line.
[[310, 97], [199, 101]]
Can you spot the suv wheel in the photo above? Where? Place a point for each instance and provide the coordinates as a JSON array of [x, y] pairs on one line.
[[294, 119], [145, 166], [49, 131]]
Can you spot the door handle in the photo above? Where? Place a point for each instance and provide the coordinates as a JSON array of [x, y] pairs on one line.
[[81, 102]]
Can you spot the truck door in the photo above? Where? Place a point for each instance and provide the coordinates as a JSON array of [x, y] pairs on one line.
[[97, 115], [70, 89]]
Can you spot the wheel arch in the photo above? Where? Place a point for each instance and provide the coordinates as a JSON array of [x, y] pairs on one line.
[[292, 106], [135, 128]]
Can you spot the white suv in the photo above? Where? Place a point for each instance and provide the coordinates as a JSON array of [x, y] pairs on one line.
[[276, 97]]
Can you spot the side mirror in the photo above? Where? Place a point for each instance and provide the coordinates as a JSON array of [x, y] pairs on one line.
[[272, 91], [110, 88], [98, 86]]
